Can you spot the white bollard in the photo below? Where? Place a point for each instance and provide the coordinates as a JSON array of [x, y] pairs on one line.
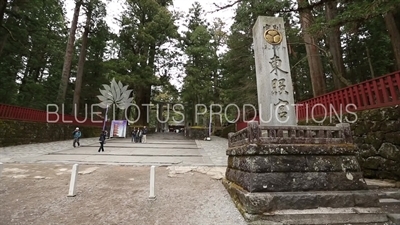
[[72, 184], [1, 168], [152, 182]]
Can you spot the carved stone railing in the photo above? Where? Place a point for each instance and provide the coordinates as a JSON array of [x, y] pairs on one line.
[[255, 134], [238, 138]]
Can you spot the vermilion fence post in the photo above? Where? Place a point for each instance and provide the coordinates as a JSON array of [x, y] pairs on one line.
[[339, 100], [397, 85], [345, 98], [391, 84], [363, 92], [324, 110], [331, 102], [312, 108], [376, 92], [351, 94], [15, 112], [335, 99], [370, 94], [383, 87], [356, 92], [18, 112], [7, 112]]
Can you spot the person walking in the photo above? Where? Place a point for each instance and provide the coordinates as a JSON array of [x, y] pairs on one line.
[[140, 135], [133, 135], [136, 135], [77, 134], [144, 133], [102, 139]]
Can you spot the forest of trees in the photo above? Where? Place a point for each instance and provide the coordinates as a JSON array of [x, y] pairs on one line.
[[44, 58]]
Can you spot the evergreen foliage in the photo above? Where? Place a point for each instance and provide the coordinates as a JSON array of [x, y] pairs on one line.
[[356, 40]]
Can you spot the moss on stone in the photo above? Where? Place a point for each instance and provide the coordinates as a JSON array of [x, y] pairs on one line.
[[359, 129], [375, 139], [393, 137], [371, 129], [366, 150], [389, 151]]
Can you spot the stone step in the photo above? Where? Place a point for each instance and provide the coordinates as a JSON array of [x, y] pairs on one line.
[[389, 194], [395, 218], [379, 184], [326, 216], [389, 201]]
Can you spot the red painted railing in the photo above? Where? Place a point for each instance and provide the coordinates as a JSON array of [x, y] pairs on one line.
[[380, 92], [10, 112]]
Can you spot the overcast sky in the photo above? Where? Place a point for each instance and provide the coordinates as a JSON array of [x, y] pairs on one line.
[[115, 8]]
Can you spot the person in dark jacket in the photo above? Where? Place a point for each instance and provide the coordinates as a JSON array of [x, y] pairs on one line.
[[140, 135], [102, 139], [77, 134], [144, 135], [135, 135]]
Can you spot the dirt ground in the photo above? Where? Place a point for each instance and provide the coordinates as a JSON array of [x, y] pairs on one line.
[[110, 194], [107, 194]]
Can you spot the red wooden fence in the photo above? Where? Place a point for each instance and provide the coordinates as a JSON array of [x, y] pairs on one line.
[[10, 112], [380, 92]]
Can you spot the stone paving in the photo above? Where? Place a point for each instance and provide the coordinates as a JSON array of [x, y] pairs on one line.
[[16, 153], [215, 149], [162, 148]]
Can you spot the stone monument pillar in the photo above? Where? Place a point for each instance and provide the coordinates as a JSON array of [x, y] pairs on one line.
[[281, 173], [274, 82]]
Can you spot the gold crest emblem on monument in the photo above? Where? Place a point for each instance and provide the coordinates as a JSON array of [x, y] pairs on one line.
[[273, 36]]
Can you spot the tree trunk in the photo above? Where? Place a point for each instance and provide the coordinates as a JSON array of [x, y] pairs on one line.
[[16, 6], [394, 35], [81, 64], [68, 55], [145, 89], [313, 56], [23, 91], [335, 47], [152, 56], [3, 6], [371, 68], [142, 98], [160, 113]]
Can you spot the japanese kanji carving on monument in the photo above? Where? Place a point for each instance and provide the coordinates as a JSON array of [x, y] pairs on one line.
[[274, 83]]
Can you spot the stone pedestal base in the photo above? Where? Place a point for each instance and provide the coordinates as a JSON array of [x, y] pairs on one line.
[[299, 175], [308, 208]]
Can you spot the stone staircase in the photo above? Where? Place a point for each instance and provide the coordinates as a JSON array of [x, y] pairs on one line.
[[389, 201]]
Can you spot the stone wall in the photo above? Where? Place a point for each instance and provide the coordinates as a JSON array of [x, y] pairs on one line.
[[228, 129], [198, 133], [376, 133], [22, 132]]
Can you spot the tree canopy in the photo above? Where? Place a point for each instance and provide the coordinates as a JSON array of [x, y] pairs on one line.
[[45, 59]]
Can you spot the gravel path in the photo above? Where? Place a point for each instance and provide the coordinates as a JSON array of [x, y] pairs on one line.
[[108, 194], [37, 194]]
